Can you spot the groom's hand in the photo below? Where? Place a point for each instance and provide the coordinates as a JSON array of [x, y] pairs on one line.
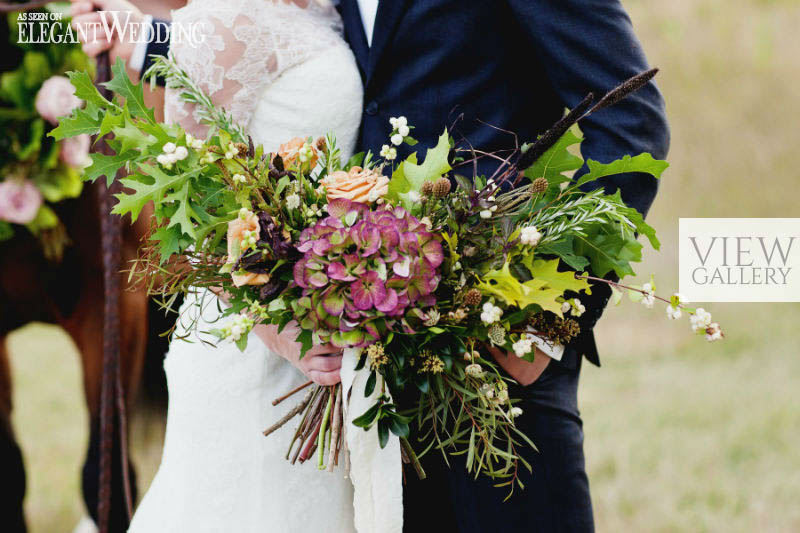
[[94, 37], [521, 370]]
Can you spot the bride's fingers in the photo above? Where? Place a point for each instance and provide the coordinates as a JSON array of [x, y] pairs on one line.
[[324, 363], [324, 378], [80, 7]]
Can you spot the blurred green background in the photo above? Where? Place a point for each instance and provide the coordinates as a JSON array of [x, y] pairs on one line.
[[680, 435]]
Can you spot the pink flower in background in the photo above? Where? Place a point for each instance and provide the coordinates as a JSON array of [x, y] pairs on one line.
[[56, 99], [19, 201], [75, 151]]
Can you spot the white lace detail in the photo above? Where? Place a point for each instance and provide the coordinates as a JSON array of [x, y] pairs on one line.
[[246, 45]]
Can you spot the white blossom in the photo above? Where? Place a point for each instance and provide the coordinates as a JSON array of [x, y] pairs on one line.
[[389, 153], [168, 148], [514, 412], [181, 153], [397, 139], [475, 370], [649, 298], [573, 306], [403, 130], [293, 201], [398, 122], [239, 178], [491, 313], [530, 236], [486, 214]]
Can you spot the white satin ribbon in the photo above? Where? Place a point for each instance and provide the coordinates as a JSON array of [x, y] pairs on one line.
[[376, 472]]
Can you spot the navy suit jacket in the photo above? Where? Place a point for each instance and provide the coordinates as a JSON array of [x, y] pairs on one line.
[[510, 65]]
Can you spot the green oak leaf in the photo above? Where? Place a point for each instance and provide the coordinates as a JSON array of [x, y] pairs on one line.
[[81, 122], [557, 160], [502, 284], [641, 163], [86, 90], [563, 248], [155, 185], [609, 250], [133, 94], [106, 165], [547, 270], [409, 176], [184, 214], [171, 241]]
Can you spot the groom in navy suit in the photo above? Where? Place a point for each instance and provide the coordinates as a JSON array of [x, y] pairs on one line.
[[511, 65]]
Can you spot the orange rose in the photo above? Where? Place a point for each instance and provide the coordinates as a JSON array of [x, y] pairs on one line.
[[358, 185], [237, 230], [290, 153]]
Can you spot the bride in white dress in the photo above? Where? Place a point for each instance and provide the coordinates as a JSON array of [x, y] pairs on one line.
[[282, 69]]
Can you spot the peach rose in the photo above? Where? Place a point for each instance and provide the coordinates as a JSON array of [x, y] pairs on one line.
[[290, 152], [236, 234], [357, 185], [56, 99]]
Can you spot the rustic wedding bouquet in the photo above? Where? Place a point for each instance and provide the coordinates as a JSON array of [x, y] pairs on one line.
[[414, 264]]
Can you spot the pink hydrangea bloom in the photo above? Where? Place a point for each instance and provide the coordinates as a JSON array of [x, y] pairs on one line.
[[19, 201]]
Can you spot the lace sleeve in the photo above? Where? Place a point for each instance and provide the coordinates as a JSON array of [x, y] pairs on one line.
[[243, 45]]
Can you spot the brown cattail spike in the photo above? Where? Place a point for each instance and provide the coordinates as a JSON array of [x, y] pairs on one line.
[[441, 187], [427, 188], [473, 298], [539, 185]]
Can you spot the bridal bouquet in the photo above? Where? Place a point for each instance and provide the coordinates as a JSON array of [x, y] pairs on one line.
[[36, 173], [413, 263]]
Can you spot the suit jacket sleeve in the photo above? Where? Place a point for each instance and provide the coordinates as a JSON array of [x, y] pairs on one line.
[[155, 48], [589, 46]]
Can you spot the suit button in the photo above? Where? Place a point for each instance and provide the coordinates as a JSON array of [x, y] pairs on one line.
[[372, 108]]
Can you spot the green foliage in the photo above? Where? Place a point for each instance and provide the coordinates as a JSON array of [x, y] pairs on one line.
[[557, 162], [409, 176]]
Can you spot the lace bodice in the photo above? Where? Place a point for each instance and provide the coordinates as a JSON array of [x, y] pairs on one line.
[[250, 47], [282, 69]]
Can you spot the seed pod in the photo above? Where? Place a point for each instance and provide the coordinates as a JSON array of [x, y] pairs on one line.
[[441, 187], [473, 298], [242, 149], [539, 185], [321, 144], [427, 188]]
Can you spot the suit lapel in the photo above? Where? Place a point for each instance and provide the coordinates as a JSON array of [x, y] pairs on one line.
[[354, 31], [389, 14]]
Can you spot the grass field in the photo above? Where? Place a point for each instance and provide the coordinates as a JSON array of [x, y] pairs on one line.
[[680, 435]]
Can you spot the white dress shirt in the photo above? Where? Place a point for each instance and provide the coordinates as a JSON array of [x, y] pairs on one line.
[[368, 10]]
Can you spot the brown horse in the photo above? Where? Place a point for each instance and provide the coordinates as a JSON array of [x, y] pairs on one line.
[[71, 294]]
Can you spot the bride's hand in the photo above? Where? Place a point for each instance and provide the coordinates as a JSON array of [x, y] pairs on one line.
[[95, 39], [321, 364]]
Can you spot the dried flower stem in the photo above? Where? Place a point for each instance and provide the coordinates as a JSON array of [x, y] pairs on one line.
[[292, 392], [296, 410], [335, 429]]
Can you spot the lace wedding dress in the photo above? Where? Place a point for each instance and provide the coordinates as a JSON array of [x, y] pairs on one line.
[[282, 69]]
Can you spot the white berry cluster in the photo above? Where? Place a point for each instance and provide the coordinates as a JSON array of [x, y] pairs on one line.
[[249, 239], [314, 211], [238, 327], [523, 347], [573, 306], [649, 296], [172, 154], [239, 178], [491, 313], [514, 412], [193, 142], [674, 308], [231, 151], [701, 323], [496, 396], [530, 236]]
